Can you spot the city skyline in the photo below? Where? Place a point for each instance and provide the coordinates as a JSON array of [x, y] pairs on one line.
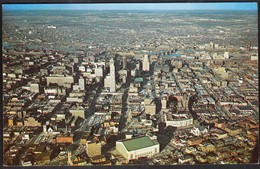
[[252, 6]]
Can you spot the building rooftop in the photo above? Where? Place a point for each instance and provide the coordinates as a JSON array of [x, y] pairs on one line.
[[138, 80], [139, 143]]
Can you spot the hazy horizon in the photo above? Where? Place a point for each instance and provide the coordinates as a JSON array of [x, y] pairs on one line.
[[240, 6]]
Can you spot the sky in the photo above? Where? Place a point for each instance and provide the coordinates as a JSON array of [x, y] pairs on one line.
[[136, 6]]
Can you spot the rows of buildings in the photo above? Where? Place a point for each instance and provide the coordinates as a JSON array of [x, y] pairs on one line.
[[169, 97]]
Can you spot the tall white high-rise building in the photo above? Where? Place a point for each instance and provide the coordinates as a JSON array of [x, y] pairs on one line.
[[107, 81], [146, 63], [112, 76], [99, 72], [82, 83]]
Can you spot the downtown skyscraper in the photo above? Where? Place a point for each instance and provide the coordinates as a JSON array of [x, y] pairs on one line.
[[112, 76]]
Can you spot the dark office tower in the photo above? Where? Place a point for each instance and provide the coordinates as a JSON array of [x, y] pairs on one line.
[[172, 103], [192, 100], [124, 62]]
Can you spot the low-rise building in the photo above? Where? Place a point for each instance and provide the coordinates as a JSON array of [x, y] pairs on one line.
[[137, 147], [220, 134], [233, 130], [178, 120], [195, 141], [31, 121], [199, 130], [207, 147], [93, 148], [64, 139]]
